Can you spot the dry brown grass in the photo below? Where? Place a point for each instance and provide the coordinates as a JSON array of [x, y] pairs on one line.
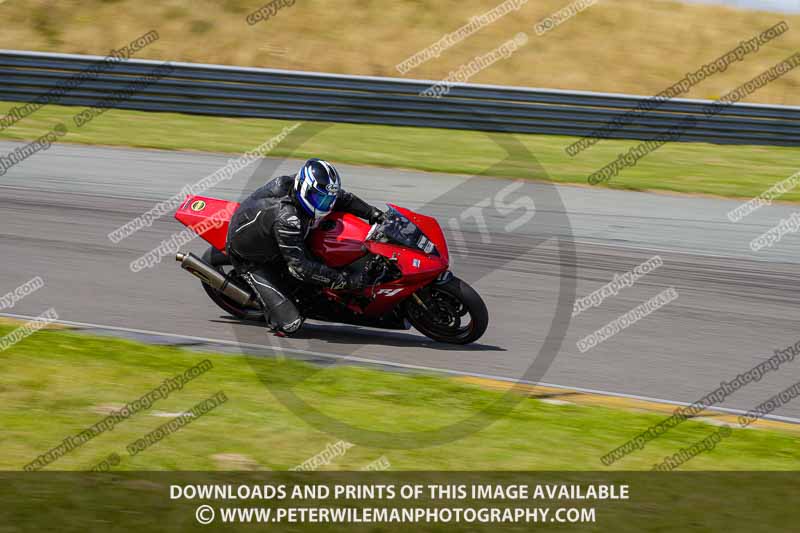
[[630, 46]]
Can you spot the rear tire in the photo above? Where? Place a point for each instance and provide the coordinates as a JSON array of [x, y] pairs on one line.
[[219, 261], [447, 304]]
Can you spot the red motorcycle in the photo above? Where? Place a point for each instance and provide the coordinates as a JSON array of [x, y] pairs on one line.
[[406, 258]]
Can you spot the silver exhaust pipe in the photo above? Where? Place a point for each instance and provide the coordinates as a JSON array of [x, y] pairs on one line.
[[209, 275]]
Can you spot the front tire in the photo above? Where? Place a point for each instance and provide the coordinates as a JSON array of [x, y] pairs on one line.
[[442, 310]]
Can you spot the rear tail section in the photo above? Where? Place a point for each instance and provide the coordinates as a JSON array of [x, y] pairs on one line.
[[208, 217]]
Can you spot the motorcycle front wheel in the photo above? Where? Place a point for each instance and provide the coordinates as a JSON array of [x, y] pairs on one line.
[[451, 312]]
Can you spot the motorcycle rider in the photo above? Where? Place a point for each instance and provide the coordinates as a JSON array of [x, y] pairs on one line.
[[266, 239]]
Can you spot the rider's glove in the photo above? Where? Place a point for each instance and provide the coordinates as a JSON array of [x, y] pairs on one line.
[[351, 281], [348, 281], [340, 283], [356, 281], [376, 216]]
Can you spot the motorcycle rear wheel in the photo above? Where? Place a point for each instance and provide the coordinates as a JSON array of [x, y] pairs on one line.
[[443, 308], [220, 261]]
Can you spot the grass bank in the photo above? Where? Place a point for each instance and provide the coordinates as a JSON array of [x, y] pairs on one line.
[[694, 168], [57, 383], [625, 46]]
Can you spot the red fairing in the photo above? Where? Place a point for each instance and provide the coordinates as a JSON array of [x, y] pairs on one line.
[[339, 239], [431, 228], [418, 268], [208, 217]]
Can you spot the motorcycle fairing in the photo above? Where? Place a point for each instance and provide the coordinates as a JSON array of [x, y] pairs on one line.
[[208, 217]]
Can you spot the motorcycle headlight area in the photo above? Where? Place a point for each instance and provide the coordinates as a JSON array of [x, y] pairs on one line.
[[401, 230]]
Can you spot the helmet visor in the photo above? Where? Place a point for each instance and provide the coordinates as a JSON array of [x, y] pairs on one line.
[[321, 200]]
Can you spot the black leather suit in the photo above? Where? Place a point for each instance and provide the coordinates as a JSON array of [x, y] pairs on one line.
[[266, 244]]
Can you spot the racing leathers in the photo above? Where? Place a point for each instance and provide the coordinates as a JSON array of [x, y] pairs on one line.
[[266, 244]]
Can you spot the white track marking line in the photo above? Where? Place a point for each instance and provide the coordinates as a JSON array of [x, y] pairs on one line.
[[399, 365]]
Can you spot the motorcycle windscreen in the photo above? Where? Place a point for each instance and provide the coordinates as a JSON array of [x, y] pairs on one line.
[[400, 230]]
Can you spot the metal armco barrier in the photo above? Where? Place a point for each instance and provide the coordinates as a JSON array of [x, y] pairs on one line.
[[281, 94]]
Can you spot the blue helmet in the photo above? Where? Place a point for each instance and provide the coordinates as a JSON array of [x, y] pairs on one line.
[[316, 187]]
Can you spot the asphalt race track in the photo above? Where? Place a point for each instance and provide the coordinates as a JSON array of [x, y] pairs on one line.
[[735, 307]]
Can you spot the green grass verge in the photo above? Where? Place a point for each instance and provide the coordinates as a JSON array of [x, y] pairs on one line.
[[730, 171], [56, 383]]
